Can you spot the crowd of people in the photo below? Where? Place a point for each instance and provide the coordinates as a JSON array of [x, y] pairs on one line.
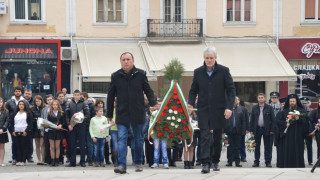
[[131, 107]]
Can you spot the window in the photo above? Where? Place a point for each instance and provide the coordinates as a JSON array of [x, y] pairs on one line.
[[238, 10], [95, 87], [312, 10], [172, 10], [31, 11], [110, 11]]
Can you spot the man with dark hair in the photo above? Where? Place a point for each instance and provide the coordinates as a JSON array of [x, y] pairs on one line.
[[63, 103], [308, 139], [214, 86], [89, 141], [78, 132], [290, 152], [262, 124], [28, 97], [128, 85], [11, 105]]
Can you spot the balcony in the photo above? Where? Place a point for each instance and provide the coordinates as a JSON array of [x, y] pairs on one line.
[[171, 30]]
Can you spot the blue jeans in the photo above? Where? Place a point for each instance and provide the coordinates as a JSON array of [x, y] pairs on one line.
[[114, 139], [78, 133], [266, 139], [122, 144], [89, 147], [99, 150], [157, 144]]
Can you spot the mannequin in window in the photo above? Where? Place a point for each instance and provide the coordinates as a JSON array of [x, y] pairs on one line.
[[16, 81], [6, 83]]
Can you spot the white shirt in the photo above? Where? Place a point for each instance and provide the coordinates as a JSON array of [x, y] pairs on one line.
[[20, 122]]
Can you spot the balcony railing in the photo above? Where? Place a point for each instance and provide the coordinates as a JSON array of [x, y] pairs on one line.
[[183, 28]]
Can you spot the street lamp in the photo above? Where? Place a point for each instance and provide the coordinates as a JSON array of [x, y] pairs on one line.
[[301, 78]]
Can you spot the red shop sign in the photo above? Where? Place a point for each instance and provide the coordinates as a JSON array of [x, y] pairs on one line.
[[310, 48]]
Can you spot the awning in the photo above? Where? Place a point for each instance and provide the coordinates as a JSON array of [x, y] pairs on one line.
[[99, 61], [248, 61]]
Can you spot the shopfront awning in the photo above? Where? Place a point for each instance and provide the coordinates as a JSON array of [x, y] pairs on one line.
[[248, 61], [98, 61]]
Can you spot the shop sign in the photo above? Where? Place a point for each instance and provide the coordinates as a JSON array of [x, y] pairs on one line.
[[310, 48], [28, 51], [306, 67], [307, 76]]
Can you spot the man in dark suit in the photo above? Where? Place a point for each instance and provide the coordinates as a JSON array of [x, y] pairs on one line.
[[235, 128], [262, 124], [214, 86]]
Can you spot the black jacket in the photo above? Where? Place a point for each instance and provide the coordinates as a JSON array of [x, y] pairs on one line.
[[240, 122], [74, 107], [64, 106], [29, 121], [4, 120], [245, 111], [57, 120], [36, 113], [215, 94], [129, 89], [92, 112], [268, 117]]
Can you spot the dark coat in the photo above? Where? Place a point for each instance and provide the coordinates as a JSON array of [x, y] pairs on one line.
[[4, 120], [268, 117], [92, 111], [215, 94], [74, 107], [240, 122], [246, 117], [129, 91], [57, 120], [29, 121]]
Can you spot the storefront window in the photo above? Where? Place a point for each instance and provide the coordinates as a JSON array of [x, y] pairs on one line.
[[37, 75], [95, 87], [310, 78], [248, 91]]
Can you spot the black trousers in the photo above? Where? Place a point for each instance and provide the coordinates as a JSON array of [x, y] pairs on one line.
[[29, 145], [22, 148], [47, 158], [234, 144], [106, 152], [308, 141], [210, 146], [149, 149]]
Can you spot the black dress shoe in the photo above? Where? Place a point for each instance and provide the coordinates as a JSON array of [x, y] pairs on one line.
[[30, 160], [216, 167], [205, 169], [255, 165], [268, 165], [238, 165], [243, 160], [198, 163], [83, 165], [71, 165], [229, 164]]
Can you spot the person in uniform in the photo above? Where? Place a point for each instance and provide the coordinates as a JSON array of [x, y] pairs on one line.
[[308, 139]]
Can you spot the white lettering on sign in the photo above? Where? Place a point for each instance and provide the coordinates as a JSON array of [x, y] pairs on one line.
[[308, 76], [310, 48], [306, 67]]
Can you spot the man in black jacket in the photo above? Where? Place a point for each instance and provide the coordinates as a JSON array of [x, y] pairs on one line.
[[78, 132], [28, 97], [235, 128], [214, 86], [63, 103], [262, 124], [128, 84]]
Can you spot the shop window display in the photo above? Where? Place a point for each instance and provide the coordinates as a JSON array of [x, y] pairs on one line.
[[37, 75]]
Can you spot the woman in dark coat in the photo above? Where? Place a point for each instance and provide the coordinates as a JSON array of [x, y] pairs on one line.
[[4, 120]]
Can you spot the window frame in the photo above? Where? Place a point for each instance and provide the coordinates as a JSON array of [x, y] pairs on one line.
[[13, 19], [240, 23], [111, 23], [310, 22]]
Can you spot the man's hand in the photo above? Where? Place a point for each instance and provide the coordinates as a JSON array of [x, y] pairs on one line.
[[155, 107], [190, 108], [296, 117], [14, 133], [24, 134], [227, 113], [211, 131], [59, 127], [70, 128], [94, 139]]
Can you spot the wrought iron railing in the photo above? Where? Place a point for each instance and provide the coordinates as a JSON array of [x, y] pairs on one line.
[[183, 28]]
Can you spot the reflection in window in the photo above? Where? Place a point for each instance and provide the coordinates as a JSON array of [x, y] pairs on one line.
[[32, 12], [109, 10]]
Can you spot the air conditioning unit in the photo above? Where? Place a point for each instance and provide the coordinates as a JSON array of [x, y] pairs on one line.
[[3, 7], [68, 53]]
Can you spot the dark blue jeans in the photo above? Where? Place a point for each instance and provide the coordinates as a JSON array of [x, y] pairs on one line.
[[122, 144], [89, 147], [243, 148], [266, 139], [78, 133], [99, 150]]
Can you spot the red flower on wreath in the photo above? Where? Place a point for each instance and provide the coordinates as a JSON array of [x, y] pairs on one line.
[[180, 110], [163, 114], [178, 102], [184, 121], [169, 102], [169, 131], [166, 108], [185, 128], [175, 91], [175, 97], [171, 135], [178, 131], [166, 124], [159, 128], [174, 108], [166, 129], [160, 134]]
